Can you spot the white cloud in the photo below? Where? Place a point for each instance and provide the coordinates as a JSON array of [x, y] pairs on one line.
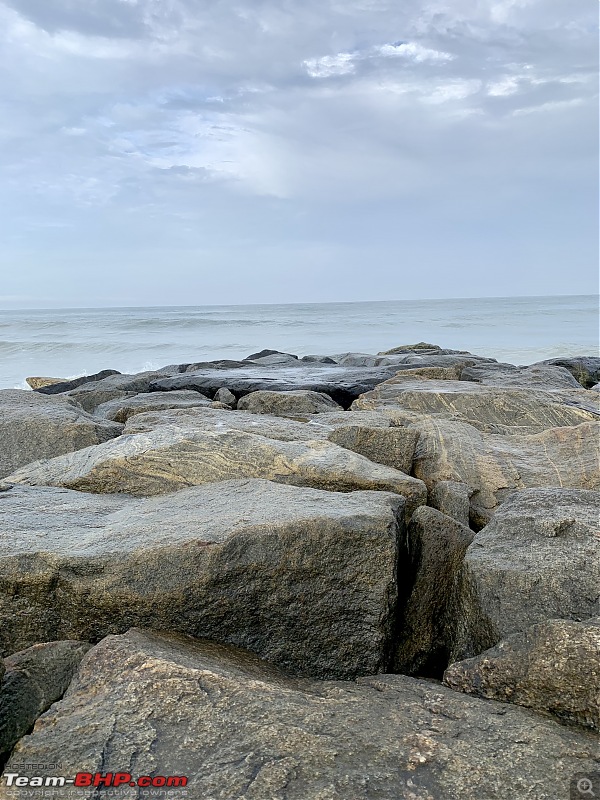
[[326, 66], [414, 51]]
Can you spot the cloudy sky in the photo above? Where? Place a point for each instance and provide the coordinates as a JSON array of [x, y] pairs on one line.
[[185, 152]]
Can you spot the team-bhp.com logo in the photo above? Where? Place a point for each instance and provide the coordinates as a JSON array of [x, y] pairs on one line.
[[113, 779]]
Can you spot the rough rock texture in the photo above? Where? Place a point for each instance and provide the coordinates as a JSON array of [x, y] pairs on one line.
[[453, 499], [543, 376], [436, 548], [121, 409], [538, 559], [552, 667], [483, 406], [171, 458], [34, 426], [340, 383], [34, 679], [287, 404], [305, 578], [91, 395], [161, 704], [493, 465], [394, 447], [226, 397], [38, 383], [66, 386], [585, 369]]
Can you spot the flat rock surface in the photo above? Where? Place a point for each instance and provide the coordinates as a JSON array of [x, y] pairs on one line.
[[34, 426], [172, 457], [538, 559], [494, 465], [306, 578], [541, 376], [119, 410], [552, 667], [484, 406], [238, 728]]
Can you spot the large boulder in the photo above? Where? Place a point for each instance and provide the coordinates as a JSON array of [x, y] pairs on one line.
[[157, 704], [585, 369], [116, 387], [120, 410], [553, 667], [436, 546], [172, 457], [287, 404], [538, 559], [342, 384], [58, 387], [493, 465], [543, 376], [394, 447], [303, 577], [34, 679], [489, 408], [34, 426]]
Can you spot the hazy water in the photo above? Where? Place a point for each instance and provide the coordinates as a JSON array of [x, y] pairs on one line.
[[66, 343]]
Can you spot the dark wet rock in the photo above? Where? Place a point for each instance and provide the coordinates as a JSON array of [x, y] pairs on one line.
[[226, 397], [266, 354], [541, 376], [34, 426], [394, 447], [237, 727], [170, 458], [67, 386], [276, 360], [121, 409], [553, 667], [341, 384], [436, 547], [288, 404], [34, 679], [38, 383], [306, 578], [453, 499], [585, 369], [538, 559], [318, 359], [494, 466], [223, 363]]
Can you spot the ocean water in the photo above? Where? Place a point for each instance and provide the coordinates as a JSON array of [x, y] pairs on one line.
[[71, 342]]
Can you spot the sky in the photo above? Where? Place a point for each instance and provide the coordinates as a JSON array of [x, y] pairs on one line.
[[177, 152]]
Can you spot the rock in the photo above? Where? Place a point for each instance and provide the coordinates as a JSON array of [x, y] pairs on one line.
[[355, 359], [595, 387], [223, 363], [287, 404], [171, 458], [493, 466], [490, 409], [553, 667], [38, 383], [585, 369], [543, 376], [393, 447], [267, 353], [303, 577], [403, 348], [67, 386], [160, 704], [436, 548], [224, 396], [452, 499], [538, 559], [91, 395], [34, 426], [318, 359], [342, 384], [275, 360], [121, 409], [34, 679], [222, 406]]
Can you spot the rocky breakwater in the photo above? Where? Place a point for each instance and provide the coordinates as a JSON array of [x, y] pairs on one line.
[[285, 556]]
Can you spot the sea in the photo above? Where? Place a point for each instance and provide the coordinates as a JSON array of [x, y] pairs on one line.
[[66, 343]]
